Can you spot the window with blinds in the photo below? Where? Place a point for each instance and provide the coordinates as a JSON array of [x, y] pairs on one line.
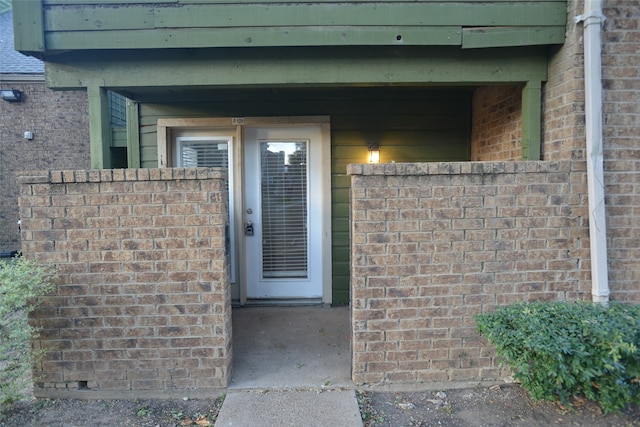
[[284, 209], [205, 153], [209, 152]]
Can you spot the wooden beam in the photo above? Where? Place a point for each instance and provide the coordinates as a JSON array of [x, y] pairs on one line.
[[99, 128], [531, 120], [287, 67], [134, 16], [132, 25], [258, 37], [133, 134], [511, 36], [28, 26]]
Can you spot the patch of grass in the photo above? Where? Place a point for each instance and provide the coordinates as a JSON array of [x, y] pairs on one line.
[[144, 411], [176, 415], [369, 415], [448, 409]]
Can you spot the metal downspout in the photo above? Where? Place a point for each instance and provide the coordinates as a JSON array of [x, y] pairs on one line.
[[592, 22]]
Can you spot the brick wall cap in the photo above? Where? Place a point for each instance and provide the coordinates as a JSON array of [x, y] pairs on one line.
[[33, 177], [108, 175], [457, 168]]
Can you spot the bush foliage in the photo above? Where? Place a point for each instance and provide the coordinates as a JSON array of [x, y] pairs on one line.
[[559, 350], [21, 281]]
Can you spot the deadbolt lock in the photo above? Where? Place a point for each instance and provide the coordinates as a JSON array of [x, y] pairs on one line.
[[248, 228]]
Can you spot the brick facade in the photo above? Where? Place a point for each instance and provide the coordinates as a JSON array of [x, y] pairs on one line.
[[142, 300], [434, 244], [621, 118], [496, 131], [59, 122], [564, 133]]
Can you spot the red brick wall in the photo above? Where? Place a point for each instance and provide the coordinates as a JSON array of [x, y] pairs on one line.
[[59, 122], [497, 123], [142, 301], [434, 244]]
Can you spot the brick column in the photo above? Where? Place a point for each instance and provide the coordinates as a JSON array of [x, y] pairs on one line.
[[142, 302]]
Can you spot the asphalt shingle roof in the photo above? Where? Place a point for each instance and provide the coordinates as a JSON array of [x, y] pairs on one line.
[[12, 61]]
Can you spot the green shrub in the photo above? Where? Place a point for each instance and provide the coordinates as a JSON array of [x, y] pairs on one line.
[[20, 282], [559, 350]]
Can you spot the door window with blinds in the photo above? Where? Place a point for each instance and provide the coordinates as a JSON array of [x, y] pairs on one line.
[[283, 194], [203, 151]]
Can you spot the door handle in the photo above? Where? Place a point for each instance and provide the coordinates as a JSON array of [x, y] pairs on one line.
[[248, 228]]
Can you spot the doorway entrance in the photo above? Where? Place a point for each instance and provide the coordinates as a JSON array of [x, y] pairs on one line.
[[282, 208], [279, 199]]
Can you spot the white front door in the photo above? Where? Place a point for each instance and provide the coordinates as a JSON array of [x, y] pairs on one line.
[[283, 212]]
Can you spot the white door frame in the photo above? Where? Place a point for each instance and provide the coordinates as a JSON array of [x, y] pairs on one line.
[[165, 141]]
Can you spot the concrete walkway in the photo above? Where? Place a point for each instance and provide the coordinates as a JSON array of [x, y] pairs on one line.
[[292, 367]]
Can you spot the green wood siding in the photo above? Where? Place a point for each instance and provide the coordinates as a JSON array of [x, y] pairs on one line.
[[108, 24], [409, 124]]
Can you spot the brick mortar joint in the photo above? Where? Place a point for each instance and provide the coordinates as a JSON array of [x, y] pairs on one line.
[[118, 175]]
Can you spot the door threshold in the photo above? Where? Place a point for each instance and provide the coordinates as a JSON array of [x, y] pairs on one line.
[[282, 302]]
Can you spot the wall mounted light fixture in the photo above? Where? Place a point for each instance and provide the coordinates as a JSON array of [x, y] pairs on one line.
[[11, 95], [374, 153]]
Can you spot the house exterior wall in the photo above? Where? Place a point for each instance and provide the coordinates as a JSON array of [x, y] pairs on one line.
[[434, 244], [59, 122], [564, 134], [142, 299], [408, 124], [497, 123], [563, 95], [621, 118]]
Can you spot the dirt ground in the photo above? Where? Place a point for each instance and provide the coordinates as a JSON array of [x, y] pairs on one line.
[[505, 405], [500, 405]]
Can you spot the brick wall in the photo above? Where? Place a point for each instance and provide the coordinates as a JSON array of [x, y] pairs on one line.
[[496, 123], [621, 118], [563, 95], [60, 124], [142, 301], [434, 244]]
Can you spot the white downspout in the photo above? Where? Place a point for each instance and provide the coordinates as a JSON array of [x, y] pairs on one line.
[[592, 22]]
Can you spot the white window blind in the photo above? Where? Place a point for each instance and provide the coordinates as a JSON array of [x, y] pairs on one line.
[[284, 209], [204, 154]]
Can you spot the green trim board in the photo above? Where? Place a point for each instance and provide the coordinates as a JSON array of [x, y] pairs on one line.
[[473, 38], [99, 128], [258, 37], [108, 24], [531, 120], [132, 16], [28, 26], [135, 73], [133, 134]]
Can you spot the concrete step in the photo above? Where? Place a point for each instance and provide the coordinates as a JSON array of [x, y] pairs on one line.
[[307, 408]]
